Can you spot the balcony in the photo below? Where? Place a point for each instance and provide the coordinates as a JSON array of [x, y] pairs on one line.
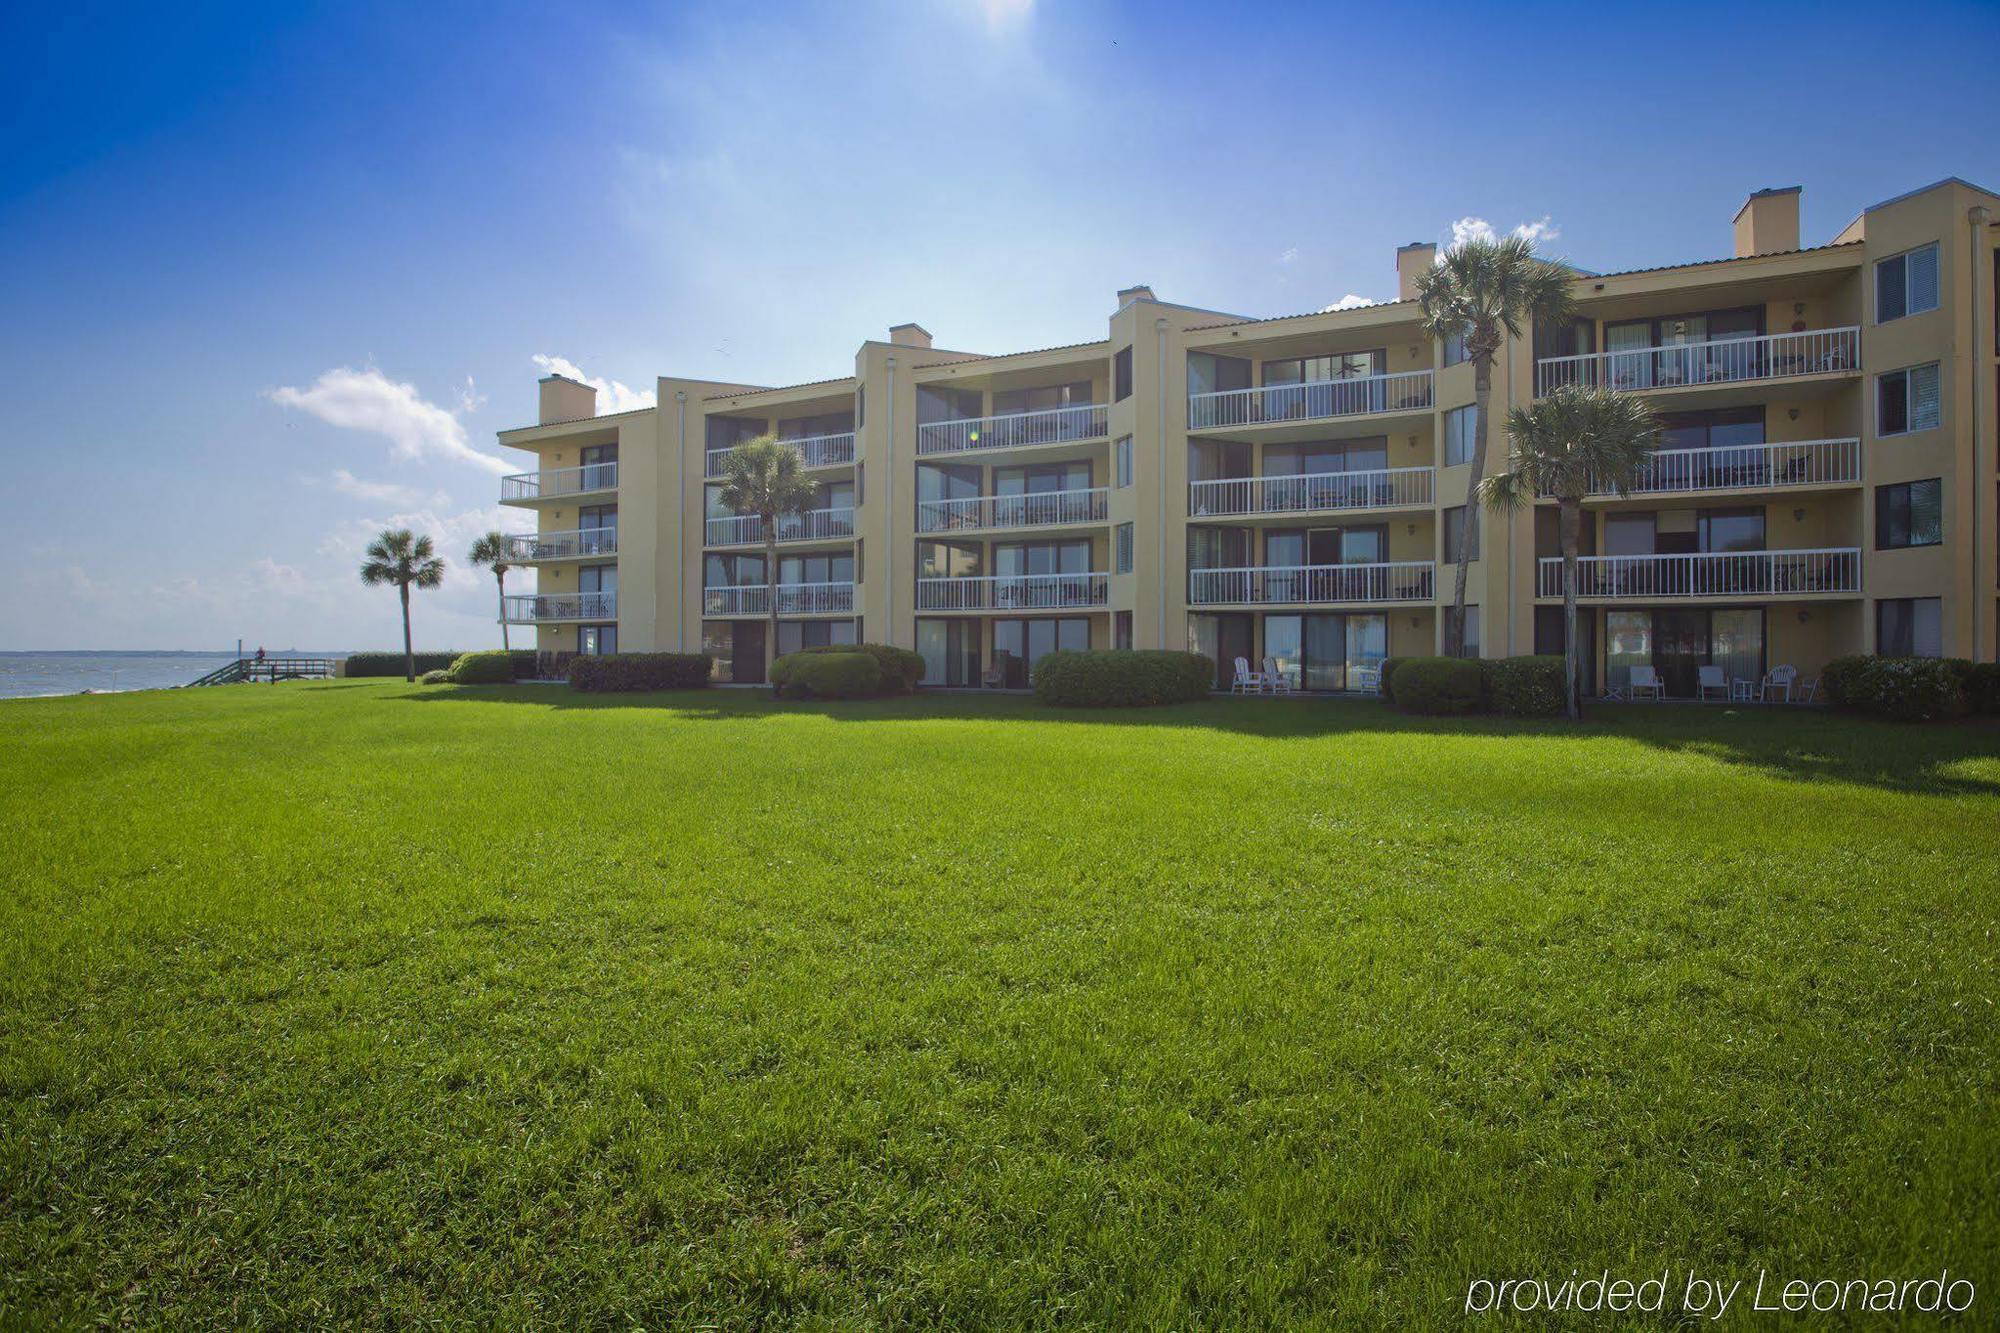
[[1043, 509], [814, 451], [814, 525], [529, 608], [794, 599], [1318, 400], [1311, 492], [558, 483], [1794, 463], [1714, 574], [1774, 356], [1016, 430], [534, 548], [1313, 585], [1015, 592]]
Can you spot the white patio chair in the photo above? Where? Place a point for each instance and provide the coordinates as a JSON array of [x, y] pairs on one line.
[[1246, 681], [1276, 680], [1808, 691], [1778, 678], [1646, 683], [1711, 678], [1365, 680]]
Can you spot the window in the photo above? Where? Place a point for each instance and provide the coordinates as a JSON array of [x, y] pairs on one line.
[[1121, 372], [1911, 514], [1124, 548], [1906, 284], [1454, 533], [1047, 398], [1121, 454], [596, 640], [794, 635], [1471, 648], [1907, 400], [1121, 631], [1909, 627], [1458, 435], [728, 432], [1455, 349], [860, 406]]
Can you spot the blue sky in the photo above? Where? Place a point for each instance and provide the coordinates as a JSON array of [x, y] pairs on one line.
[[274, 274]]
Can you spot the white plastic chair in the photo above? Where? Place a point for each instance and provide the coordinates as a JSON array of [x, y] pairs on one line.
[[1646, 681], [1711, 678], [1246, 681], [1365, 680], [1778, 678], [1277, 680]]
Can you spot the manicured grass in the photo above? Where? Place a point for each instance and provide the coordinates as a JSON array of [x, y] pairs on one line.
[[366, 1003]]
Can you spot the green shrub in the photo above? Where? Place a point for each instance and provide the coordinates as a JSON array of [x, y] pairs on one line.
[[1903, 689], [527, 663], [1523, 686], [621, 672], [491, 668], [1122, 678], [829, 675], [1386, 680], [1982, 688], [901, 668], [1437, 685], [434, 678], [391, 664]]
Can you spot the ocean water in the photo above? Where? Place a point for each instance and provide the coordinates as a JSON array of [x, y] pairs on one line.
[[25, 675]]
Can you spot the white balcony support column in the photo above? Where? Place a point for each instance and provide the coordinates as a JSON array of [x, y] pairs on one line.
[[1015, 430], [1715, 361], [1015, 592], [1313, 585], [1043, 509], [1707, 574], [1363, 395], [1382, 488]]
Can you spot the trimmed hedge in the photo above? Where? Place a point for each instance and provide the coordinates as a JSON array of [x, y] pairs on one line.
[[830, 675], [901, 668], [434, 678], [1438, 686], [391, 664], [1385, 682], [1903, 689], [491, 668], [1122, 678], [1523, 686], [621, 672], [1982, 688]]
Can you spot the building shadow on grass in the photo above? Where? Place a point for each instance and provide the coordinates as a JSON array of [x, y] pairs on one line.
[[1793, 744]]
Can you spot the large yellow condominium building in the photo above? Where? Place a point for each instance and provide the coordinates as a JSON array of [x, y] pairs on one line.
[[1295, 488]]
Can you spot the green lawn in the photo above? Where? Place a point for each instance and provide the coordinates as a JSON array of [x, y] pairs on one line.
[[360, 1002]]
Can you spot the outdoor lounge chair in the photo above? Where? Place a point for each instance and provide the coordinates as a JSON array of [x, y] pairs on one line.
[[1646, 683], [1246, 681], [1274, 679], [1711, 678], [1778, 678]]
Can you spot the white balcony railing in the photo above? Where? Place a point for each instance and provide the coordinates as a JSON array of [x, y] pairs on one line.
[[794, 599], [1014, 592], [814, 451], [1382, 488], [1753, 466], [1042, 509], [526, 548], [1712, 574], [1405, 391], [1715, 361], [527, 608], [1056, 425], [1397, 581], [815, 525], [559, 481]]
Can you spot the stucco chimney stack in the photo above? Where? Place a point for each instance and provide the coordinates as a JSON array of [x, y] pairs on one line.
[[910, 335], [1412, 261], [564, 399], [1127, 295], [1768, 222]]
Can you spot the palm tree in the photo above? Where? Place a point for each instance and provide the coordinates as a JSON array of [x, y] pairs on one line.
[[1572, 442], [1487, 292], [491, 550], [761, 477], [400, 557]]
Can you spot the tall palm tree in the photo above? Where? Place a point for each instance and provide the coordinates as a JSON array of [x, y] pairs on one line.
[[761, 477], [1572, 442], [491, 550], [1487, 292], [400, 557]]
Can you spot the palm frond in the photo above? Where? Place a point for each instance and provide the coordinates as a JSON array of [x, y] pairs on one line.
[[1579, 439]]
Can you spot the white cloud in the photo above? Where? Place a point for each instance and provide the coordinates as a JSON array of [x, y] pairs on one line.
[[1003, 14], [1479, 229], [452, 534], [368, 400], [1290, 256], [382, 492], [1347, 302], [611, 395], [271, 575]]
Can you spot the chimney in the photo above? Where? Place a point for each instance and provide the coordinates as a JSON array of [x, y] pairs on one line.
[[1768, 222], [910, 335], [565, 400], [1412, 261], [1127, 295]]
